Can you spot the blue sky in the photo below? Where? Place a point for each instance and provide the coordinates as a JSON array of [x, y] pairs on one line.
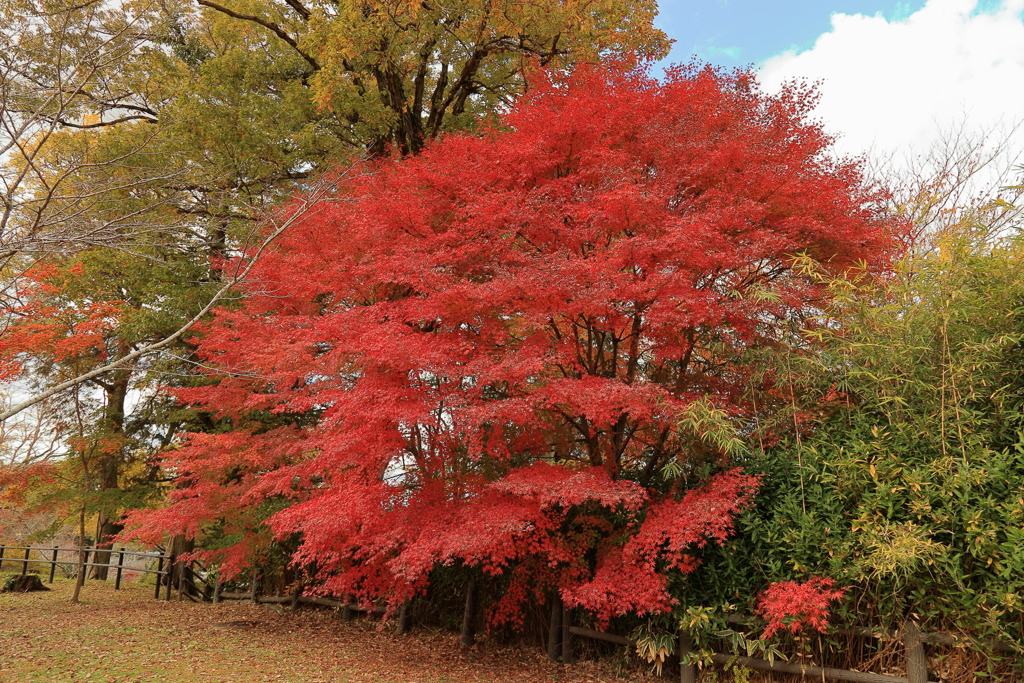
[[740, 32], [894, 78]]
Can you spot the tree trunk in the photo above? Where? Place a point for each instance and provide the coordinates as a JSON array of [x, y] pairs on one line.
[[116, 392], [179, 545], [106, 529], [404, 618], [469, 616], [80, 579], [555, 629]]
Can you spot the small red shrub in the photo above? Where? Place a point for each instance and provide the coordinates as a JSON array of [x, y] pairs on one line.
[[789, 605]]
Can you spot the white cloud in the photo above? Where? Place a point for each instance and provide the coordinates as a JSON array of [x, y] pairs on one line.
[[894, 85]]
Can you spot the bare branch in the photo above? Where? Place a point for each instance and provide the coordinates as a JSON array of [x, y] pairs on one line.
[[299, 8], [106, 124]]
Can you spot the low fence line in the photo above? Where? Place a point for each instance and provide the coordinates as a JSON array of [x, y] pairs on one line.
[[185, 579], [879, 633], [118, 568], [811, 671], [561, 629], [914, 641], [301, 599]]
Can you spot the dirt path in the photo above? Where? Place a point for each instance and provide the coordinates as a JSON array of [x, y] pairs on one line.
[[130, 637]]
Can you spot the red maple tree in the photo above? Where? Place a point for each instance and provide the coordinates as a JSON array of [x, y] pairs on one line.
[[480, 354]]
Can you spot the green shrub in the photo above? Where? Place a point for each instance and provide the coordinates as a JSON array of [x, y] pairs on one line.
[[906, 483]]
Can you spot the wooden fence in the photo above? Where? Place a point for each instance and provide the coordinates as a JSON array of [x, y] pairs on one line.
[[562, 633], [914, 643], [50, 556], [196, 587]]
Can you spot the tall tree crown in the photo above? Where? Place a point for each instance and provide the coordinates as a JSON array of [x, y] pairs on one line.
[[514, 349]]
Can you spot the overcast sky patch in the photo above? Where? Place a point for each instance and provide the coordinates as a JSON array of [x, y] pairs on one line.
[[895, 84]]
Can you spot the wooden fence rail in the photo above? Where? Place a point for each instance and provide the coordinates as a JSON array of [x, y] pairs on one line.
[[301, 599], [688, 674], [880, 633]]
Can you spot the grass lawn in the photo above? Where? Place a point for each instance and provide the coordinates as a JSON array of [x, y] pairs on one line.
[[127, 636]]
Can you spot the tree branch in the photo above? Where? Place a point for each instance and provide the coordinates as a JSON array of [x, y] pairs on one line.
[[277, 30], [104, 124], [297, 6]]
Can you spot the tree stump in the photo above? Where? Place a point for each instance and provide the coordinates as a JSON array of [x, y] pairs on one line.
[[22, 584]]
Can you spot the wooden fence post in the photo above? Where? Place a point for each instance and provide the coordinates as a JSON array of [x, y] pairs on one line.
[[120, 564], [917, 660], [346, 609], [159, 570], [555, 628], [181, 581], [170, 576], [469, 616], [216, 590], [24, 565], [53, 566], [687, 672], [252, 593], [567, 615], [1, 557]]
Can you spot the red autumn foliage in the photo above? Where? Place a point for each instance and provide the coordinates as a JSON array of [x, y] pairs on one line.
[[790, 606], [479, 354], [41, 330]]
